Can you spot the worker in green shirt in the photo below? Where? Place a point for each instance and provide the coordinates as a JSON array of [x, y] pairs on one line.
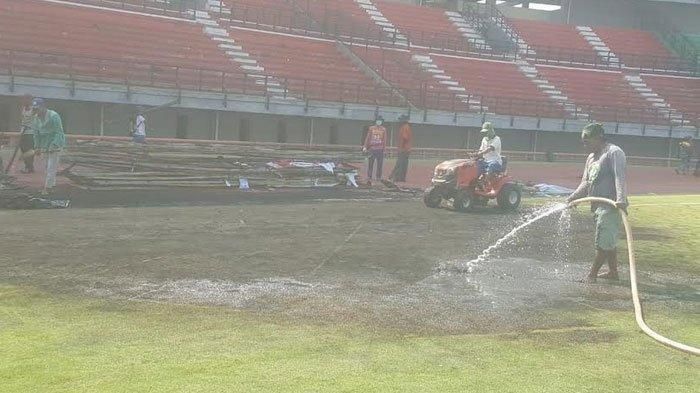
[[49, 138], [603, 176]]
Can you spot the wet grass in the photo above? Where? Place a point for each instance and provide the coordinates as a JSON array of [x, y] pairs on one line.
[[57, 343], [71, 344], [666, 231]]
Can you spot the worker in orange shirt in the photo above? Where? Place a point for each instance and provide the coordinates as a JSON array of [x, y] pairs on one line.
[[375, 143], [405, 142]]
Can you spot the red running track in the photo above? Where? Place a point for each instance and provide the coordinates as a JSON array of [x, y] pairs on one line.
[[640, 179]]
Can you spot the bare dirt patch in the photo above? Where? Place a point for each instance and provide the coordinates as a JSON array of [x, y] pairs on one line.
[[343, 262]]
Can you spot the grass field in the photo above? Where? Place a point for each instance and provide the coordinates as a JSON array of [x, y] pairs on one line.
[[55, 341]]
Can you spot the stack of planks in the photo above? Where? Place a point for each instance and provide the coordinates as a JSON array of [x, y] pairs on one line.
[[124, 165]]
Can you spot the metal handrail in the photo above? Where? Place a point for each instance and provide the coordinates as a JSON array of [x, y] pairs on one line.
[[182, 8], [85, 68], [332, 27]]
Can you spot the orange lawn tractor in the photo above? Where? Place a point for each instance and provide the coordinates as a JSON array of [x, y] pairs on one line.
[[459, 181]]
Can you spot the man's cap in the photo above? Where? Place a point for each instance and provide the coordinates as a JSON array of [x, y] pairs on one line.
[[592, 130], [487, 128], [38, 103], [403, 117]]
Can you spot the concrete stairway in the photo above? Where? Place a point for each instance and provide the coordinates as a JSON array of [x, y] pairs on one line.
[[656, 100], [555, 95], [499, 21], [382, 21], [239, 56], [468, 31], [370, 72], [603, 51], [427, 65], [217, 6]]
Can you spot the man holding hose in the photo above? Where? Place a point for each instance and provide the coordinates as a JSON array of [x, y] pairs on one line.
[[603, 176]]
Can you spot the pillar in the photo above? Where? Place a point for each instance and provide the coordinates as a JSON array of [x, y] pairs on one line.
[[217, 123], [102, 119]]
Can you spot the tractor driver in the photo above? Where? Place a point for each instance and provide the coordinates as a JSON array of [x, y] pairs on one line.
[[489, 154]]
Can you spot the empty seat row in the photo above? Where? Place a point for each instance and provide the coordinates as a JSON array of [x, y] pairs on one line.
[[178, 8], [554, 41], [342, 18], [308, 66], [605, 95], [397, 68], [57, 39], [682, 94], [105, 44], [264, 14], [500, 85], [635, 48], [424, 26]]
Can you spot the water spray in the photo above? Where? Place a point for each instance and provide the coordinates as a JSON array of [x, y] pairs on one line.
[[540, 215], [638, 312]]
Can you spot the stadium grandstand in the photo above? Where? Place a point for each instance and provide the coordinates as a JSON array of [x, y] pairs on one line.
[[539, 71]]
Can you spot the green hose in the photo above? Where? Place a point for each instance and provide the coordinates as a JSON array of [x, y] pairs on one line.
[[638, 312]]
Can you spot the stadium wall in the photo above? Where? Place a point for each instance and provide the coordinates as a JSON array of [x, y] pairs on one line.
[[84, 118]]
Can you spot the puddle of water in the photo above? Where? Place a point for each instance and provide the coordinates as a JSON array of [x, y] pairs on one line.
[[562, 245], [234, 294], [538, 214]]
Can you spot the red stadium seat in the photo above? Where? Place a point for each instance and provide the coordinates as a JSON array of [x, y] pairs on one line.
[[555, 41], [503, 87], [635, 48], [311, 66], [681, 93], [396, 67], [424, 26], [605, 95]]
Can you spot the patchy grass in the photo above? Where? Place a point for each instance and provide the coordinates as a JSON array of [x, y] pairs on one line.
[[666, 231], [671, 232], [67, 344], [62, 343]]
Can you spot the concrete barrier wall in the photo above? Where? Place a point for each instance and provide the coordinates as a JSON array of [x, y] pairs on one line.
[[84, 118]]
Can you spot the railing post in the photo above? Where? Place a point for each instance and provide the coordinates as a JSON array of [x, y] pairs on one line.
[[70, 67], [12, 62]]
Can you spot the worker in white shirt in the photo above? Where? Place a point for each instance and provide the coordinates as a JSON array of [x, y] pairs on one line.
[[139, 132], [489, 154]]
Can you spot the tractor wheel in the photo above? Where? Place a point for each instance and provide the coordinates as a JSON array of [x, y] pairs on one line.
[[464, 201], [432, 197], [510, 196]]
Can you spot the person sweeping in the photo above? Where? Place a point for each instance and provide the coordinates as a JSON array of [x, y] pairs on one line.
[[26, 142], [603, 176], [49, 139]]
